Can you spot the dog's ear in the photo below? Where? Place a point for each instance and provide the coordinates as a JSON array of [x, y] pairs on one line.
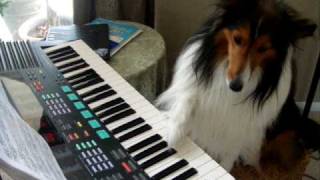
[[303, 28]]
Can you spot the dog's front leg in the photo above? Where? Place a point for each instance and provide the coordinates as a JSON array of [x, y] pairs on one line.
[[180, 116]]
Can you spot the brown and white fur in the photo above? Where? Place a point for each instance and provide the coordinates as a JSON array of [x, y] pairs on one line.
[[224, 94]]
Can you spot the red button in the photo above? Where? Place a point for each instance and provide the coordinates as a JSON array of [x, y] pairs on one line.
[[71, 137], [126, 167]]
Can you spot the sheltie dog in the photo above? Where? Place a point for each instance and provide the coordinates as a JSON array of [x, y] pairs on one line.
[[234, 78]]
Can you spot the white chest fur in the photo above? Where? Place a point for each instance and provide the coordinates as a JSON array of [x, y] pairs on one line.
[[220, 121]]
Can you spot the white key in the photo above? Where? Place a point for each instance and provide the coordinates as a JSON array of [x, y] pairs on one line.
[[67, 61], [69, 74], [226, 177], [213, 173]]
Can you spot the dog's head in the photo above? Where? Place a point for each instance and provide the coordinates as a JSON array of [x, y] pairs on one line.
[[250, 34]]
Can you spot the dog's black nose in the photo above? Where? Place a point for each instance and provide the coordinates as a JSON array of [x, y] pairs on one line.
[[236, 85]]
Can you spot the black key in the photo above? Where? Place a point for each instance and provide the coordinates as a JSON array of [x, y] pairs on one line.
[[80, 66], [28, 54], [144, 143], [6, 55], [88, 83], [80, 61], [19, 54], [134, 132], [95, 91], [187, 174], [127, 125], [153, 149], [12, 56], [63, 58], [108, 104], [59, 50], [100, 96], [32, 55], [84, 79], [61, 53], [24, 54], [158, 158], [79, 75], [113, 110], [118, 116], [176, 166]]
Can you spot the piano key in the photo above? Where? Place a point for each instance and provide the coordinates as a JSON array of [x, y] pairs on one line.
[[120, 115], [127, 125], [143, 143], [19, 54], [187, 174], [176, 166], [70, 64], [135, 132], [69, 74], [132, 141], [158, 158], [63, 52], [58, 50], [33, 57], [74, 68], [88, 83], [226, 177], [27, 54], [14, 56], [102, 87], [80, 75], [83, 79], [151, 150], [100, 96], [65, 57], [217, 173], [6, 57], [113, 110], [187, 151]]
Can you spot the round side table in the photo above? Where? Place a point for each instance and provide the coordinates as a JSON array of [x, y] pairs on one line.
[[142, 62]]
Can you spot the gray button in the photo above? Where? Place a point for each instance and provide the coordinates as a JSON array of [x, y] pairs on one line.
[[88, 162], [83, 154], [105, 166]]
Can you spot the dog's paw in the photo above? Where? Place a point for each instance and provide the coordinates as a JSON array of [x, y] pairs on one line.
[[176, 136]]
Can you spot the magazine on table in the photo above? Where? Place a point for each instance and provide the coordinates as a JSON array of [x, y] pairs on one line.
[[119, 33]]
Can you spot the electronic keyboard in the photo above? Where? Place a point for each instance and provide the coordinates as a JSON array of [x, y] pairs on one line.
[[107, 129]]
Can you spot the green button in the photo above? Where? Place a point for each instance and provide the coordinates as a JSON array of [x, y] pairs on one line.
[[48, 96], [93, 142], [83, 145], [79, 105], [103, 134], [52, 95], [66, 89], [94, 124], [72, 97], [43, 97], [86, 114], [89, 144], [78, 147]]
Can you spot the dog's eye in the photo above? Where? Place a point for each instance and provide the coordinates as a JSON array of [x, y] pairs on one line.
[[262, 49], [237, 40]]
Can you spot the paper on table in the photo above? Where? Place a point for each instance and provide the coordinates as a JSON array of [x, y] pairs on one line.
[[23, 152]]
